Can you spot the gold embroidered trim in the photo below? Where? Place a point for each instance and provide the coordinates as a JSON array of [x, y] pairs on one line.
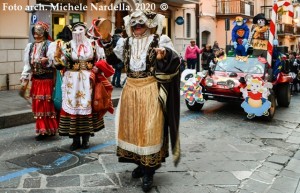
[[146, 160]]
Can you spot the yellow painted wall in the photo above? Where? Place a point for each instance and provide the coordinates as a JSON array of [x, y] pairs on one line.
[[14, 24]]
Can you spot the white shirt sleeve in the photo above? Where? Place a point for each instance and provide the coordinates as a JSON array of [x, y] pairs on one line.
[[26, 69], [118, 50], [99, 53], [166, 42], [50, 53]]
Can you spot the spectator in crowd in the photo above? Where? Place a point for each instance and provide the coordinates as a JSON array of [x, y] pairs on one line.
[[116, 80], [294, 71], [207, 57], [191, 53], [216, 46]]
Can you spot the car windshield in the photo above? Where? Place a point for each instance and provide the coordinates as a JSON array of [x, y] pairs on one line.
[[232, 64]]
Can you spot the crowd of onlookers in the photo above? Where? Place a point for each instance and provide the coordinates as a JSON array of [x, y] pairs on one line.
[[208, 55]]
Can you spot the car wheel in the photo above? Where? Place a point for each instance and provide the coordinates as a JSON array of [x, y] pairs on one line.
[[283, 95], [272, 109], [195, 107]]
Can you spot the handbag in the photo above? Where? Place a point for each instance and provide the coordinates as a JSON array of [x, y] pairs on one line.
[[101, 99], [57, 92]]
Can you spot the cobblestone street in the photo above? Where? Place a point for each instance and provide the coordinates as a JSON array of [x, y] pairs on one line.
[[222, 152]]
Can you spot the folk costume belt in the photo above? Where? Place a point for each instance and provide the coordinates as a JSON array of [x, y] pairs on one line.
[[82, 65], [39, 69]]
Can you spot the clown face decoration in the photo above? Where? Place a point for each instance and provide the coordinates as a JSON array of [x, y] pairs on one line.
[[261, 22]]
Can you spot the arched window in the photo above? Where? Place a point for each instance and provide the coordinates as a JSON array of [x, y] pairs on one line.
[[188, 25]]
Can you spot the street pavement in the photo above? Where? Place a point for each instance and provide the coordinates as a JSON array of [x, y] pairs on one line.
[[222, 152]]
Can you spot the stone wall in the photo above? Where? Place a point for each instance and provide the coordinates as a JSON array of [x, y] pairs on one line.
[[11, 62]]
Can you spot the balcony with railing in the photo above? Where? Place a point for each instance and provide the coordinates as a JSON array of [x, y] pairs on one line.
[[285, 29], [234, 8]]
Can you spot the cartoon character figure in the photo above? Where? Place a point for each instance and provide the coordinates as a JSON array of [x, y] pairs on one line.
[[192, 91], [256, 100], [239, 35], [260, 35]]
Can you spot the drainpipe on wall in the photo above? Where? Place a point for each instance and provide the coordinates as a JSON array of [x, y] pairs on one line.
[[7, 81]]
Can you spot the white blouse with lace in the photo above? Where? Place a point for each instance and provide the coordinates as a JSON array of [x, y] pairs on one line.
[[139, 48]]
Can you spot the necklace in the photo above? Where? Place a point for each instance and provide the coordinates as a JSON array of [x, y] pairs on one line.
[[36, 54], [139, 46]]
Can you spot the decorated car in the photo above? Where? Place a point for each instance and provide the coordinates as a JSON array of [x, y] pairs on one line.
[[254, 74], [247, 80]]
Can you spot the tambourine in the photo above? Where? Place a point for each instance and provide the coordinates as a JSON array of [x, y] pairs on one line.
[[24, 91], [101, 28]]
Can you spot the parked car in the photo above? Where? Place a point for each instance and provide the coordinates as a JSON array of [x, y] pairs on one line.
[[231, 74]]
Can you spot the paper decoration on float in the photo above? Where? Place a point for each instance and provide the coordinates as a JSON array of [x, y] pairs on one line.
[[191, 90], [256, 94]]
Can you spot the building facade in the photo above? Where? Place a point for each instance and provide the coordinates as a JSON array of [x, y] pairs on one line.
[[288, 30], [203, 21], [16, 24]]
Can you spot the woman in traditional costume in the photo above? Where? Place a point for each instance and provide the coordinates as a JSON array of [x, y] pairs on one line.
[[42, 74], [77, 118], [148, 110]]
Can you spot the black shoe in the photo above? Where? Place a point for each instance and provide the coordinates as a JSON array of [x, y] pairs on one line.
[[137, 172], [147, 183], [118, 86], [40, 137], [85, 141], [85, 145], [76, 144]]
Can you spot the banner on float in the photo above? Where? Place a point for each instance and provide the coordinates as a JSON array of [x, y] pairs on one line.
[[260, 44]]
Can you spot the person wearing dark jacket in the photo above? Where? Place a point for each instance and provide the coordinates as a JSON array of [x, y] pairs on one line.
[[116, 80], [207, 57], [294, 64]]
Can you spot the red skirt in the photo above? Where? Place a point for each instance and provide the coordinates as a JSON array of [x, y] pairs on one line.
[[43, 106]]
